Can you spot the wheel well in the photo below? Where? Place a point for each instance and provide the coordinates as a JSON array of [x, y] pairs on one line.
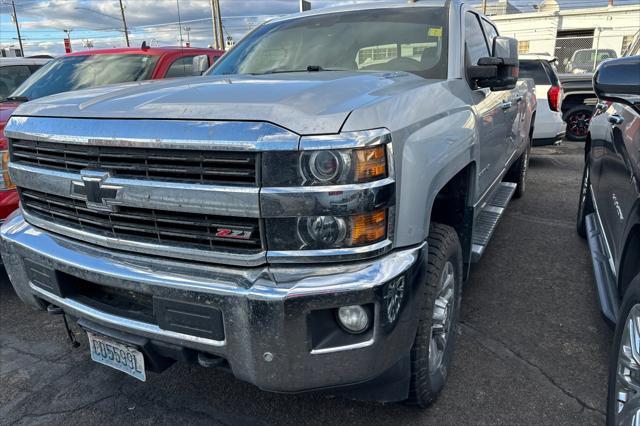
[[572, 101], [629, 266], [452, 206]]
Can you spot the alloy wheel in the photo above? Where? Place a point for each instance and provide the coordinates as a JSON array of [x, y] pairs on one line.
[[578, 123], [442, 317], [627, 386]]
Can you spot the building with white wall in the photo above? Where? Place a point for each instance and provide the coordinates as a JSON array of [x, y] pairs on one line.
[[560, 32]]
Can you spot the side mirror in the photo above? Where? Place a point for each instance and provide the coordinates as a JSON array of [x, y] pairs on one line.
[[618, 80], [200, 64], [501, 70]]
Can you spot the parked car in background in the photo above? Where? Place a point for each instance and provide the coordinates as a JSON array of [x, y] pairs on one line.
[[301, 216], [609, 217], [92, 68], [14, 71], [579, 102], [587, 60], [549, 126]]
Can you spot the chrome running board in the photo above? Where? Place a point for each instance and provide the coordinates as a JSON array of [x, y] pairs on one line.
[[488, 218]]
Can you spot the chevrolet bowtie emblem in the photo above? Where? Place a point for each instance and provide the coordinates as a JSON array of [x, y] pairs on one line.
[[92, 187]]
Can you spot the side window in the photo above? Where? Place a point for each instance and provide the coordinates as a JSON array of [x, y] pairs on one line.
[[11, 77], [490, 31], [182, 67], [474, 39]]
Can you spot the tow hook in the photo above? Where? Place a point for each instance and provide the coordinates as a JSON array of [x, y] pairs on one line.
[[56, 310]]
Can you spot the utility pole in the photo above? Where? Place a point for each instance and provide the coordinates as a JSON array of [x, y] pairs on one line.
[[214, 23], [124, 22], [15, 19], [484, 7], [610, 2], [220, 28]]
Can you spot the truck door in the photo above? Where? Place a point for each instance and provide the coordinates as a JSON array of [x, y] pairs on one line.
[[618, 188], [487, 106], [512, 100]]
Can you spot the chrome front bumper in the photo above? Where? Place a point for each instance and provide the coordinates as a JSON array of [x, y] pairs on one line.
[[265, 310]]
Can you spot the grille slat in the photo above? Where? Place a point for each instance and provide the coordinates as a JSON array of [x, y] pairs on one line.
[[192, 166], [146, 225]]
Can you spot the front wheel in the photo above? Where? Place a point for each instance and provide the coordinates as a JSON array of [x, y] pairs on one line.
[[623, 403], [433, 345]]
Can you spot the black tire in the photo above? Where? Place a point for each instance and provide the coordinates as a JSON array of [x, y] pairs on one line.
[[577, 119], [444, 250], [518, 173], [631, 299], [585, 202]]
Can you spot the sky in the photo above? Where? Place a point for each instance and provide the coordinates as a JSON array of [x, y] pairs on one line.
[[42, 22]]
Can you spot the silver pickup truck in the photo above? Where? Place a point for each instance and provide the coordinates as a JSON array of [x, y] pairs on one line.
[[304, 215]]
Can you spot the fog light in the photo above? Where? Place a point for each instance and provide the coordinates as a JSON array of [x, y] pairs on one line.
[[354, 319]]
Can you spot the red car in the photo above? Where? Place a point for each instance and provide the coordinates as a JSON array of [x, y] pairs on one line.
[[82, 70]]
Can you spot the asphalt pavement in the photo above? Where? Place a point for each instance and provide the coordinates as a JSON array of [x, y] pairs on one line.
[[532, 345]]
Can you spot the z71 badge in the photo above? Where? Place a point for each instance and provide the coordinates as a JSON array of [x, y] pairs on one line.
[[235, 234]]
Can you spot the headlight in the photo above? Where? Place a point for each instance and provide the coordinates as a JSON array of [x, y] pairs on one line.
[[324, 167], [326, 232]]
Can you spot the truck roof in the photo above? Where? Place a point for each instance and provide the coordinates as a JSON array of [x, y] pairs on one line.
[[23, 61], [366, 6], [137, 50]]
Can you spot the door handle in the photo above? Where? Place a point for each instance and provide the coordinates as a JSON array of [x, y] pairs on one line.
[[506, 105], [616, 119]]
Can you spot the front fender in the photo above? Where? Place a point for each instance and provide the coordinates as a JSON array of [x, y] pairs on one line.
[[430, 157]]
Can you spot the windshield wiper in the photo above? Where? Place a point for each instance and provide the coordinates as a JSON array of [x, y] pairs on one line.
[[17, 98], [310, 68]]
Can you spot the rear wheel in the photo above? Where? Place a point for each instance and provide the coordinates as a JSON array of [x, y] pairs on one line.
[[585, 203], [433, 346], [623, 405], [578, 119]]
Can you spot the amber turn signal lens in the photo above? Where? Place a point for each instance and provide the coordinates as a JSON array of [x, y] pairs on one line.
[[368, 228], [6, 183], [371, 163]]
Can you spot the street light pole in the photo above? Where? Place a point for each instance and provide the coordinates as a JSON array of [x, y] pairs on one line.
[[124, 23], [15, 19]]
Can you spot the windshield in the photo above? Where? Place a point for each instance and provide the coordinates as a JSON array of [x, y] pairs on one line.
[[82, 72], [400, 39]]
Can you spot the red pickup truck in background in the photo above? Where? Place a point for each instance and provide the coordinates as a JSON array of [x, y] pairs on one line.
[[82, 70]]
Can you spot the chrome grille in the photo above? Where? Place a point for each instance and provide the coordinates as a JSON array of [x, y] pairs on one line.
[[188, 230], [191, 166]]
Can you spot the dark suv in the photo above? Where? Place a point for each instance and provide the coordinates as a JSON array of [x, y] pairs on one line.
[[609, 216]]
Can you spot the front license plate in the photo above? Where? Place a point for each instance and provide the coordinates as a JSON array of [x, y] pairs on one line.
[[118, 356]]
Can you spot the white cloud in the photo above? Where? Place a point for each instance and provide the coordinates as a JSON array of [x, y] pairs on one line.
[[43, 21]]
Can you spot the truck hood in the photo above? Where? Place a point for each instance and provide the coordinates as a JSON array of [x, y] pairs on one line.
[[306, 103]]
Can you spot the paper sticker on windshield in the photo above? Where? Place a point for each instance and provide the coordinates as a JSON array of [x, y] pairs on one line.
[[435, 32]]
